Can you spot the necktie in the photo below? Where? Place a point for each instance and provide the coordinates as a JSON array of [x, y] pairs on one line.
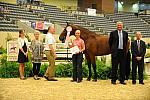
[[139, 45], [120, 40]]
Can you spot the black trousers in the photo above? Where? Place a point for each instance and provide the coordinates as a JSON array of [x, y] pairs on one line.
[[36, 68], [77, 66], [118, 58], [140, 65]]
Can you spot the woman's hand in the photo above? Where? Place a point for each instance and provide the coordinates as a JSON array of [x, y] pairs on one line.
[[26, 54], [70, 45]]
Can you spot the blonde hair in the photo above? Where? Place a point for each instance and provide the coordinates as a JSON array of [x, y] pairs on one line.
[[77, 31], [51, 25], [36, 32]]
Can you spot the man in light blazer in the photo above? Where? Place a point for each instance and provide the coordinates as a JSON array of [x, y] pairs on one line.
[[138, 49], [118, 44]]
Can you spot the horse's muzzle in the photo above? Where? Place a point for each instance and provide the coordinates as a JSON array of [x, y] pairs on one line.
[[62, 39]]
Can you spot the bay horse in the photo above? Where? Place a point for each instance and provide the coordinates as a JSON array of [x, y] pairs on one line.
[[95, 45]]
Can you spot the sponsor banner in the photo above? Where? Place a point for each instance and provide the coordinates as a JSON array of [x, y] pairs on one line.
[[12, 50], [39, 25]]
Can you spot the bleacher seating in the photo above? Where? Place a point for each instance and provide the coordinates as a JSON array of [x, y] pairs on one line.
[[8, 26], [50, 13], [146, 18], [98, 24], [103, 24], [132, 22]]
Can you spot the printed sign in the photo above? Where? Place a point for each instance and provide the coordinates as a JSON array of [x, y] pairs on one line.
[[12, 51], [74, 50], [39, 25], [91, 12]]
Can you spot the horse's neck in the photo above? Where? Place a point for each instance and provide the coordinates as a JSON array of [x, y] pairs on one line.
[[86, 35]]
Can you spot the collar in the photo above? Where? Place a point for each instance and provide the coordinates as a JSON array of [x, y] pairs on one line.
[[49, 33], [119, 31], [138, 40]]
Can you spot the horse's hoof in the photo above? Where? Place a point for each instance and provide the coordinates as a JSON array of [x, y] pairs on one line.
[[94, 80], [88, 79]]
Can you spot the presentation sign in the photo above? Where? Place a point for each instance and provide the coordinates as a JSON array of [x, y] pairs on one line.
[[12, 50], [91, 12]]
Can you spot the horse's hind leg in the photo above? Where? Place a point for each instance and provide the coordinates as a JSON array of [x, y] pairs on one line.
[[90, 72], [89, 66]]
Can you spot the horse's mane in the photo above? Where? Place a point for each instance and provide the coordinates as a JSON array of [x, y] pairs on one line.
[[85, 30]]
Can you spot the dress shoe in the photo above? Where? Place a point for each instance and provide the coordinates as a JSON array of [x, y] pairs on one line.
[[73, 81], [36, 77], [52, 79], [94, 80], [46, 78], [134, 82], [141, 83], [113, 82], [123, 83]]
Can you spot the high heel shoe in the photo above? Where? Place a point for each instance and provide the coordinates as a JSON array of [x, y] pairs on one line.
[[36, 77]]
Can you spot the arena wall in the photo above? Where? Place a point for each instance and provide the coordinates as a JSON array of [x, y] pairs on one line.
[[9, 1], [108, 6], [61, 3], [84, 4], [128, 6], [102, 5]]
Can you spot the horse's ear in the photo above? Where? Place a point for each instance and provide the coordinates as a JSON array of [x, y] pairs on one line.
[[67, 23]]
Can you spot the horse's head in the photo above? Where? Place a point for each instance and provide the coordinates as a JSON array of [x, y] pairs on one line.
[[63, 35]]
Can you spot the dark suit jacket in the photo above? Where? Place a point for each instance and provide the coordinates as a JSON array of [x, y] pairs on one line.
[[114, 40], [134, 49]]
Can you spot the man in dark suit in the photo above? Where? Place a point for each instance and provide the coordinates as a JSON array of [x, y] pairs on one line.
[[118, 44], [138, 49]]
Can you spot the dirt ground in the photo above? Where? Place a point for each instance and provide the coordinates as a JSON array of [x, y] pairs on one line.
[[63, 89]]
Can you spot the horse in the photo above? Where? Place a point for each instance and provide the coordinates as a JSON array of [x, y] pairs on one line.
[[95, 45]]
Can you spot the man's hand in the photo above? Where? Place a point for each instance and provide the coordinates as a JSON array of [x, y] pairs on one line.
[[57, 47], [138, 58], [55, 56]]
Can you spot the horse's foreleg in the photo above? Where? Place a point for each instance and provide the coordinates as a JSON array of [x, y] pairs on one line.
[[89, 66], [90, 72], [94, 68]]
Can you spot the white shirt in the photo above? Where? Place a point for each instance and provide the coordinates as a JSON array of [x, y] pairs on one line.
[[138, 41], [138, 44], [120, 34], [21, 42], [49, 39]]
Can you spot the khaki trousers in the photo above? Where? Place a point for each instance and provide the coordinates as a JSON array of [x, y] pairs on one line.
[[50, 72]]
